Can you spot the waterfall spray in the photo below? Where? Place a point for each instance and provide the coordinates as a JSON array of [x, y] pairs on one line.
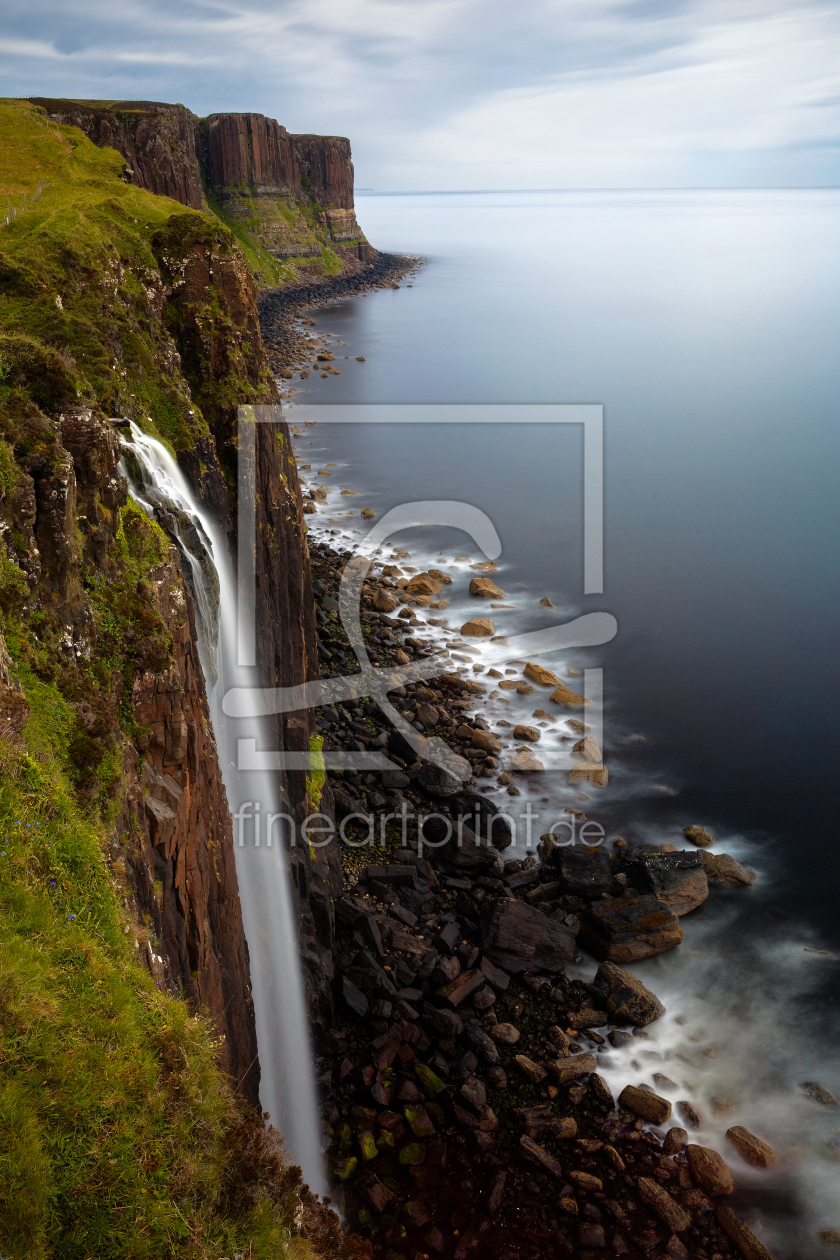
[[287, 1088]]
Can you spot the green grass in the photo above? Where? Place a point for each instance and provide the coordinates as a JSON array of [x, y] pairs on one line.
[[118, 1133], [79, 280]]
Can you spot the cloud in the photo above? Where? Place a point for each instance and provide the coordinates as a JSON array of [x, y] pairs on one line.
[[475, 93]]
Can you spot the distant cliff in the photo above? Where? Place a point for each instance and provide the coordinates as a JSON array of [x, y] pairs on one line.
[[288, 198]]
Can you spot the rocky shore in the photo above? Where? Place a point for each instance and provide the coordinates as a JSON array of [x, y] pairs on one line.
[[466, 1112], [287, 345]]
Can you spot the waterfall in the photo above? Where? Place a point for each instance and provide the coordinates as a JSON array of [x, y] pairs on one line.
[[287, 1088]]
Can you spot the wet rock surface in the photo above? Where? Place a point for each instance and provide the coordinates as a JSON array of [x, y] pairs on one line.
[[465, 1114]]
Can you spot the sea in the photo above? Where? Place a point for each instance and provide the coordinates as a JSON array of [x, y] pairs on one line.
[[704, 325]]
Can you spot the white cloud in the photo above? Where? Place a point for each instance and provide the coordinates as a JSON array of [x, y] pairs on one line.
[[474, 93]]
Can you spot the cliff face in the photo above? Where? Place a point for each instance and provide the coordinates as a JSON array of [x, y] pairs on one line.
[[289, 198], [158, 142]]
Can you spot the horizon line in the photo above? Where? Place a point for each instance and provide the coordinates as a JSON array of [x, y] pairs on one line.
[[436, 192]]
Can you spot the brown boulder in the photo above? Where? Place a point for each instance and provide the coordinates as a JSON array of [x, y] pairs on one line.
[[666, 1208], [743, 1238], [627, 999], [645, 1103], [585, 772], [571, 1068], [530, 733], [478, 628], [751, 1148], [709, 1170], [526, 763], [568, 698], [723, 870], [423, 584], [486, 740], [699, 836], [540, 675], [629, 929], [383, 601], [485, 588], [588, 747]]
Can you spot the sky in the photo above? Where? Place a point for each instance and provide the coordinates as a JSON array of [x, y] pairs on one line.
[[474, 94]]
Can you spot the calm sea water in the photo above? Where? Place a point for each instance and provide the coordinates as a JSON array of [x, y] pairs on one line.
[[706, 323]]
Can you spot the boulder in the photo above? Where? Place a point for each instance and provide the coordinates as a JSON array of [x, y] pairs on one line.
[[723, 870], [530, 1070], [690, 1114], [585, 772], [539, 1155], [478, 628], [423, 584], [751, 1148], [645, 1103], [518, 938], [666, 1208], [676, 878], [675, 1141], [573, 1067], [819, 1093], [383, 601], [531, 733], [486, 588], [629, 929], [583, 872], [489, 826], [699, 836], [525, 762], [539, 674], [709, 1170], [588, 747], [367, 512], [427, 715], [435, 780], [568, 698], [743, 1238], [626, 998], [486, 740]]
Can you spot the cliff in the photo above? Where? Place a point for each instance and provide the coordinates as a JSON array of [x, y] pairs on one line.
[[119, 908], [288, 199]]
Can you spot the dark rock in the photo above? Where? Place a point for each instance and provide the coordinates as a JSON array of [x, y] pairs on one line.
[[519, 938], [677, 878], [625, 996], [433, 779], [523, 879], [458, 990], [483, 1044], [537, 1154], [819, 1094], [354, 997], [394, 875], [447, 1023], [583, 872], [499, 979], [629, 929], [449, 936], [484, 818]]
